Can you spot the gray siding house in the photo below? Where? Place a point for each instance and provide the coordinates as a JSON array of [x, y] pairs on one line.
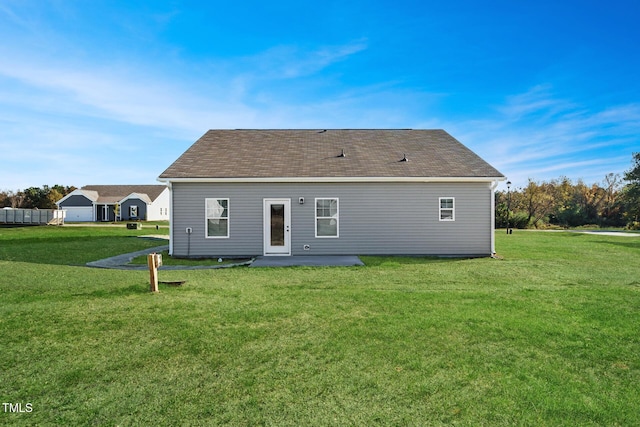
[[116, 202], [330, 192]]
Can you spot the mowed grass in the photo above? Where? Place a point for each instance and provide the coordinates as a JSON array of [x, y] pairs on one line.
[[548, 335], [73, 245]]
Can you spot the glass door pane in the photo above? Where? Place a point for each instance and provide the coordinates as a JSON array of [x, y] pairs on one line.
[[277, 225]]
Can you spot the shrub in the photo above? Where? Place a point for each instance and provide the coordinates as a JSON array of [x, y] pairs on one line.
[[519, 220], [588, 227]]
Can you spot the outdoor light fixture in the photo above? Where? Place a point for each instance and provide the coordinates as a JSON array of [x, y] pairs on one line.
[[508, 205]]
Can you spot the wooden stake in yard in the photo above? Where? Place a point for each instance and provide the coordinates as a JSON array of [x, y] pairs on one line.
[[154, 261]]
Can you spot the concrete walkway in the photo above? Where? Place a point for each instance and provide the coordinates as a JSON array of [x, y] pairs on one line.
[[607, 233], [121, 262], [307, 260], [602, 233]]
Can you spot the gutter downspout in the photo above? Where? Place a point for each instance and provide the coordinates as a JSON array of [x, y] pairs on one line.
[[170, 218], [168, 183], [494, 185]]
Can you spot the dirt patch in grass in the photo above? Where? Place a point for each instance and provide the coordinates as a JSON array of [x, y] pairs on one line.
[[169, 260]]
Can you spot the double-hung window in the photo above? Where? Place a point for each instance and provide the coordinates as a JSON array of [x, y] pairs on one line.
[[327, 217], [447, 209], [133, 211], [217, 214]]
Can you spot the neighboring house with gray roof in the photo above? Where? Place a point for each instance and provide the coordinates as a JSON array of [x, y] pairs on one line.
[[116, 203], [331, 192]]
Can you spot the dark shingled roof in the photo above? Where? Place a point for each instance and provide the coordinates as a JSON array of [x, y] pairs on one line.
[[115, 193], [317, 153]]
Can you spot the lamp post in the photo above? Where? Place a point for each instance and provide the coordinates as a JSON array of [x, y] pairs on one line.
[[508, 204]]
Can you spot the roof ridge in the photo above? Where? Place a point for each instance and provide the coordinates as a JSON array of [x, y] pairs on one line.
[[319, 129]]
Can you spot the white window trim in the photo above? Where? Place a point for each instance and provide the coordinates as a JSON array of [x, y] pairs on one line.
[[453, 209], [337, 218], [131, 208], [206, 219]]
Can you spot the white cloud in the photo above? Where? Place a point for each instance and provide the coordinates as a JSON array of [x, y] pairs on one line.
[[90, 122], [535, 135], [289, 62], [138, 95], [98, 93]]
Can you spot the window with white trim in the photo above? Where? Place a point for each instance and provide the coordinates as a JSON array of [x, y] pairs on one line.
[[327, 217], [217, 218], [133, 211], [447, 209]]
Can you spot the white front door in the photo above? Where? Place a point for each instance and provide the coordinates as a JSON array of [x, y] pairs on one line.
[[277, 226], [105, 212]]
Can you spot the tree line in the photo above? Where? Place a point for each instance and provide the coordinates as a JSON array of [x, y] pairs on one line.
[[34, 197], [615, 202]]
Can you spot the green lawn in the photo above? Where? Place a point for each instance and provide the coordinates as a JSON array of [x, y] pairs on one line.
[[548, 335], [73, 245]]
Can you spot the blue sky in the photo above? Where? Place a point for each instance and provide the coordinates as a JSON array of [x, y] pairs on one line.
[[112, 92]]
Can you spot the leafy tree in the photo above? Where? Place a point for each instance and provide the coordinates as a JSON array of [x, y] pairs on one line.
[[612, 208], [15, 199], [36, 197], [539, 201], [4, 199], [56, 193], [501, 209], [564, 203], [564, 209], [631, 192]]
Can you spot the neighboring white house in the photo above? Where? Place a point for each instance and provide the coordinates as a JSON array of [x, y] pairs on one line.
[[331, 192], [116, 203]]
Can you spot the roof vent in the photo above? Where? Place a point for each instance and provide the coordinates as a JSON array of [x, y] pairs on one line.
[[322, 131], [342, 154], [404, 158]]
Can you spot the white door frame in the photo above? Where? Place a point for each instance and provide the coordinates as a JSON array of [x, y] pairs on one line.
[[280, 250], [105, 212]]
